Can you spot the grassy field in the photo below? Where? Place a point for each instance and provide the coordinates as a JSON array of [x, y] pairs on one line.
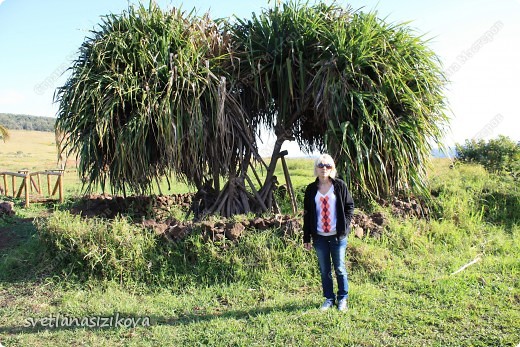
[[265, 290], [35, 151]]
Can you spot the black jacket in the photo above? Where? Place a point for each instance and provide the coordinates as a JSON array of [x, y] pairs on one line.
[[344, 210]]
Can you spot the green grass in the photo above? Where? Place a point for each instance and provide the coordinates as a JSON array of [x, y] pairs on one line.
[[265, 289], [399, 296]]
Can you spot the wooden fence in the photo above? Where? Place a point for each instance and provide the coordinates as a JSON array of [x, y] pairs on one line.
[[29, 185]]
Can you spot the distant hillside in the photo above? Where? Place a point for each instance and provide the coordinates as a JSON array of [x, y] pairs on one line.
[[438, 153], [26, 122]]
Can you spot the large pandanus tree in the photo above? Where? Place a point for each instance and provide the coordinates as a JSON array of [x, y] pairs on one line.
[[151, 94], [156, 93], [345, 82]]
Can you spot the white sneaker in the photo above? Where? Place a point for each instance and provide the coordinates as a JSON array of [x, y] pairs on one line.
[[327, 304], [342, 305]]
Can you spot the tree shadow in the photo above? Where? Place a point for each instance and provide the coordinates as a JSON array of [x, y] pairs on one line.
[[14, 231], [63, 322], [21, 252], [193, 318]]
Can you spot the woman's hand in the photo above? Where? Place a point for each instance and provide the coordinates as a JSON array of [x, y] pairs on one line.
[[307, 246]]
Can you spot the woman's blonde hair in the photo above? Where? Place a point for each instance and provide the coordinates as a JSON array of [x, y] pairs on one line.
[[325, 159]]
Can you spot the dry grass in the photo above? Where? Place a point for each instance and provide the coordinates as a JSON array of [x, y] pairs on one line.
[[35, 151]]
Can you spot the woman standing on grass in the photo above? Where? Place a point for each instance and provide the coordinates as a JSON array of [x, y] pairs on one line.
[[328, 211]]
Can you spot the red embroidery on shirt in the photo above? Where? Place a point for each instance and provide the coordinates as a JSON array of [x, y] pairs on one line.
[[325, 214]]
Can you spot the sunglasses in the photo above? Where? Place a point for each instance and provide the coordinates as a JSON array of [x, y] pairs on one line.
[[321, 166]]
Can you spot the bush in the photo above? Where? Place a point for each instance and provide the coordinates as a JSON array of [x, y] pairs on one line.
[[469, 195], [94, 247], [498, 155], [500, 200], [128, 253]]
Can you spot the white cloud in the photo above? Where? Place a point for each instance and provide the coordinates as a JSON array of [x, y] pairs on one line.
[[1, 1]]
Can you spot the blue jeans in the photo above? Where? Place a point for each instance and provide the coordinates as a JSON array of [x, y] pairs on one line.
[[327, 248]]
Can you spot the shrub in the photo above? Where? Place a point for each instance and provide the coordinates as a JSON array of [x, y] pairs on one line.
[[468, 195], [498, 155], [500, 200], [94, 247]]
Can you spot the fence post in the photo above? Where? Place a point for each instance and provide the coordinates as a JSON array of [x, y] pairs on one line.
[[39, 184], [6, 189], [60, 178], [27, 184]]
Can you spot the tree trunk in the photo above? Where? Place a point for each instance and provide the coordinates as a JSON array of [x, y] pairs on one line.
[[268, 182]]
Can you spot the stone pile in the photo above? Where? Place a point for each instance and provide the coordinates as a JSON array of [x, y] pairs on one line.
[[405, 207], [174, 230], [369, 225], [157, 212], [108, 206]]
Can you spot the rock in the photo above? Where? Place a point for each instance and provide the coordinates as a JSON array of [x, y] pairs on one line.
[[6, 208], [376, 235], [359, 233], [160, 228], [276, 223], [218, 237], [260, 224], [291, 227], [177, 231], [234, 232], [379, 219], [362, 220], [207, 227], [376, 232], [149, 223], [215, 234]]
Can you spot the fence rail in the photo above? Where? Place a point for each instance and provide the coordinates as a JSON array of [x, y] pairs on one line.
[[29, 185]]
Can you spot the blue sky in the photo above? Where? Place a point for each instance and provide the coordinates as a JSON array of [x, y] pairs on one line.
[[478, 42]]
